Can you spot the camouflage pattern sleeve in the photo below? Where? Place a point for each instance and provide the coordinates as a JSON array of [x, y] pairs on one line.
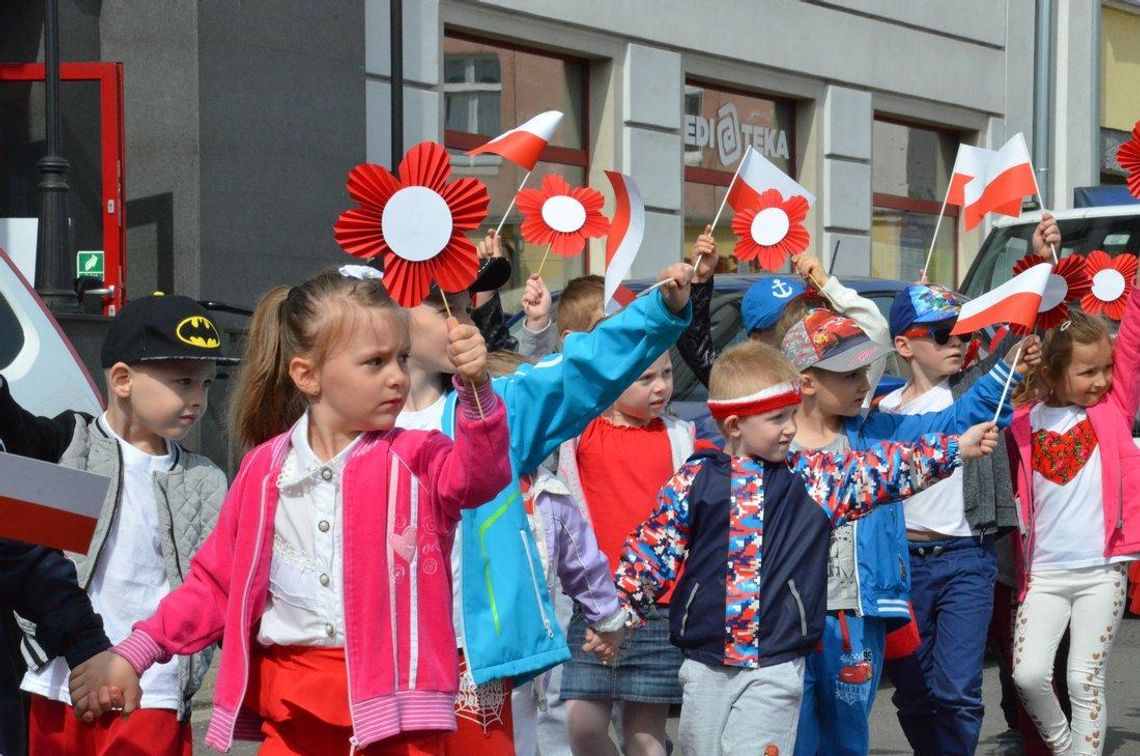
[[848, 485], [656, 549]]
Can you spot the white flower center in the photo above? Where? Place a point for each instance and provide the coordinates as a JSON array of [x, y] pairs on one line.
[[563, 213], [770, 226], [1108, 285], [416, 223]]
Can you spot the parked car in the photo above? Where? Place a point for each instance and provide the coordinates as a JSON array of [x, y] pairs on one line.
[[689, 394]]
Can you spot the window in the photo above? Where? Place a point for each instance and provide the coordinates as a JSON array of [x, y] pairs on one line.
[[491, 86], [910, 173], [717, 125]]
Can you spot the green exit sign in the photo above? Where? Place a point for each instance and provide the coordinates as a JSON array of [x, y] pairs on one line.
[[89, 263]]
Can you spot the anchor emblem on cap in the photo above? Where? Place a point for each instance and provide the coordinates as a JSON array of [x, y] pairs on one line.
[[780, 289]]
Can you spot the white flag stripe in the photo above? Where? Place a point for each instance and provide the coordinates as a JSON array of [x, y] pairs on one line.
[[542, 125], [972, 161], [64, 488], [618, 267], [760, 174]]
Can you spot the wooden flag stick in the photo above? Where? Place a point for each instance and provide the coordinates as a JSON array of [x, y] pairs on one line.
[[511, 206], [724, 201], [474, 390], [1009, 379], [544, 256], [934, 239], [1041, 204]]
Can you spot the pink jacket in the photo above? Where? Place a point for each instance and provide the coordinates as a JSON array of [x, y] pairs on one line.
[[399, 643], [1111, 420]]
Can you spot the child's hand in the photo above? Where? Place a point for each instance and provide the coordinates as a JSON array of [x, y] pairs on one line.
[[490, 246], [536, 303], [104, 682], [811, 269], [1046, 237], [468, 352], [603, 645], [675, 292], [1030, 354], [704, 256], [978, 441]]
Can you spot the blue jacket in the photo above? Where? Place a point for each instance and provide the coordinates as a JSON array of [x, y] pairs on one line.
[[509, 627], [883, 565], [753, 536]]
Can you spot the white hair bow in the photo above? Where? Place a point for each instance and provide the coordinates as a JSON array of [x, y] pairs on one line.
[[362, 272]]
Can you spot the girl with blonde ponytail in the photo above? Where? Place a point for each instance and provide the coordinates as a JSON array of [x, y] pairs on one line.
[[331, 544]]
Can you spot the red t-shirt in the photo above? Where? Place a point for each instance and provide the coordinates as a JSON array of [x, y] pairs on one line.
[[622, 468]]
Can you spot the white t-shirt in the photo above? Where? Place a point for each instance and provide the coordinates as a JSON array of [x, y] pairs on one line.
[[129, 578], [942, 507], [306, 589], [428, 418], [1068, 519]]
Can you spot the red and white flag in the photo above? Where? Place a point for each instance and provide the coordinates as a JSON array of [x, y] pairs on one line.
[[1008, 177], [48, 504], [970, 163], [627, 229], [1015, 301], [523, 144], [756, 175]]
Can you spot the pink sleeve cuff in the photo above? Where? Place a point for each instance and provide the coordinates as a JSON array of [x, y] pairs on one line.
[[140, 651], [488, 399]]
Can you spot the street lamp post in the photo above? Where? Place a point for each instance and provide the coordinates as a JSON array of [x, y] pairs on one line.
[[53, 242]]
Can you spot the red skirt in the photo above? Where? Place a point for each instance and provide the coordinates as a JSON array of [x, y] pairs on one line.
[[53, 729], [301, 694]]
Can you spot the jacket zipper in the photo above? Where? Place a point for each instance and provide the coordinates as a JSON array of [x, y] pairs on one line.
[[534, 585], [800, 606], [245, 600], [114, 514], [1120, 500], [688, 603], [855, 559]]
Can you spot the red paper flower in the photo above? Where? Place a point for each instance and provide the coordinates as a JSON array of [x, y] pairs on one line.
[[562, 216], [1111, 282], [772, 230], [1129, 158], [416, 222], [1068, 282]]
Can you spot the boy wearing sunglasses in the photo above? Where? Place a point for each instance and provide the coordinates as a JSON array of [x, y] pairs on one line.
[[950, 529]]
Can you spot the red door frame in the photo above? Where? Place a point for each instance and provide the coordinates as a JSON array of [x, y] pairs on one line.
[[110, 78]]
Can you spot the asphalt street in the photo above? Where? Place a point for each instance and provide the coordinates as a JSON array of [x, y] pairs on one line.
[[887, 739]]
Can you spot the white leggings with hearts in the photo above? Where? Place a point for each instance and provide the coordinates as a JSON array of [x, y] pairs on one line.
[[1090, 602]]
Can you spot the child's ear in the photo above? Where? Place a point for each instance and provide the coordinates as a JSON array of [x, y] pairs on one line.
[[305, 376], [807, 383], [902, 346], [119, 380], [564, 334], [732, 427]]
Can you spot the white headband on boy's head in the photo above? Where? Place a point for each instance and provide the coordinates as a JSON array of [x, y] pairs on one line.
[[766, 400]]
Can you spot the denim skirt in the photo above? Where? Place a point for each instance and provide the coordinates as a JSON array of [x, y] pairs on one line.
[[645, 670]]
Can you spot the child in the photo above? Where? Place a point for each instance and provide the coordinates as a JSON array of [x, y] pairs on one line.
[[505, 624], [746, 617], [615, 468], [950, 528], [868, 585], [326, 576], [1077, 476], [569, 555], [39, 584], [158, 357]]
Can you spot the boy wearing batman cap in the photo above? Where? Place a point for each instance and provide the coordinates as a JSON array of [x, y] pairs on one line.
[[158, 356]]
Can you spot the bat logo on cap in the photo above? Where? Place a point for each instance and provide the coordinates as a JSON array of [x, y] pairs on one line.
[[198, 331]]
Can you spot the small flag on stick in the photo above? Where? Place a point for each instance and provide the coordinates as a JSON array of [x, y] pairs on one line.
[[627, 229], [50, 505]]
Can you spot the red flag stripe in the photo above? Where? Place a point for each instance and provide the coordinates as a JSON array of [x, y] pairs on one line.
[[619, 224], [957, 192], [520, 147], [1002, 194], [35, 523], [1020, 308]]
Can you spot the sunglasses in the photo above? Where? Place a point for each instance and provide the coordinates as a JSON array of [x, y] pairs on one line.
[[941, 334]]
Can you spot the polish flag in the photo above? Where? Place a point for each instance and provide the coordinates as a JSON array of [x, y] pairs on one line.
[[757, 174], [627, 229], [970, 163], [1015, 301], [1008, 178], [523, 144], [48, 504]]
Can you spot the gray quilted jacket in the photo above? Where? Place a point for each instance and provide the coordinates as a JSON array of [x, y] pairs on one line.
[[188, 496]]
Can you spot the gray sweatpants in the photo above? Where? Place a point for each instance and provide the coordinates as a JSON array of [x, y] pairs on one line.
[[735, 711]]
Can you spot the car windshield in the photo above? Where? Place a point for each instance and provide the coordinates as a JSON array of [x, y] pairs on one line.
[[1005, 246], [11, 334]]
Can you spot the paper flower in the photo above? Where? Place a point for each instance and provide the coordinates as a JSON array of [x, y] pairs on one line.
[[1111, 282], [771, 230], [1129, 158], [1068, 282], [416, 222], [561, 215]]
